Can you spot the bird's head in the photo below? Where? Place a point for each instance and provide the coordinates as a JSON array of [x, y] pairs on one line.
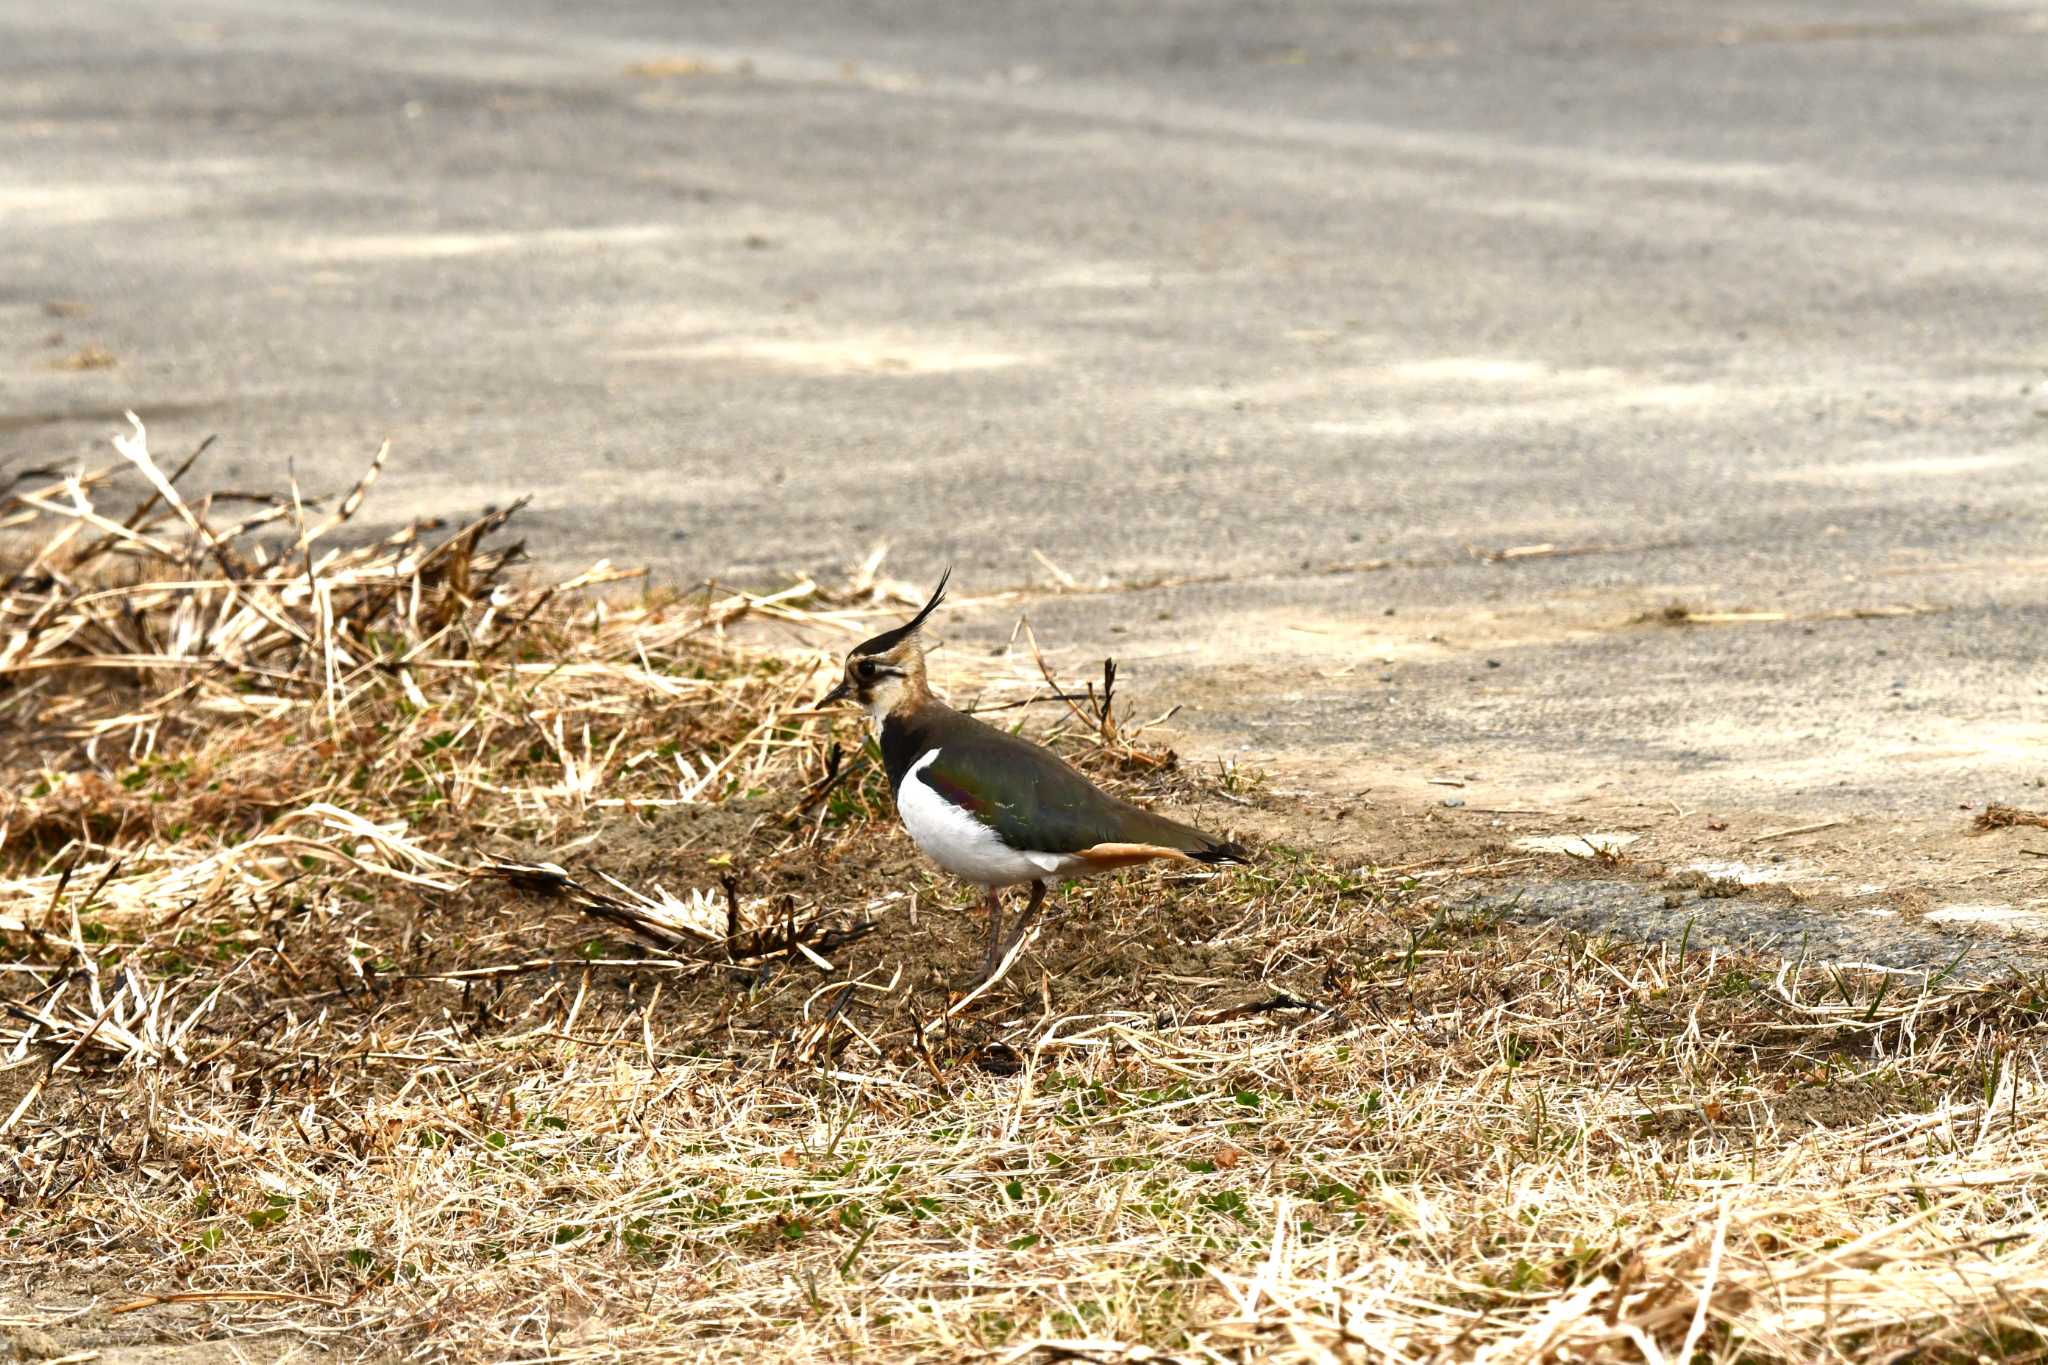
[[882, 672]]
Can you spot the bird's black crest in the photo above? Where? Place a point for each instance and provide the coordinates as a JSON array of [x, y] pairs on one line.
[[889, 639]]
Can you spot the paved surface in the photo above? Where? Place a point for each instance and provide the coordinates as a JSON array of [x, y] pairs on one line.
[[1748, 299]]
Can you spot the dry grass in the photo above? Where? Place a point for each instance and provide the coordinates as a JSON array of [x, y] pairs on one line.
[[422, 964], [1995, 816]]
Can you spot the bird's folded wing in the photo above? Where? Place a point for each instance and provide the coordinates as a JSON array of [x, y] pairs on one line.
[[1036, 802]]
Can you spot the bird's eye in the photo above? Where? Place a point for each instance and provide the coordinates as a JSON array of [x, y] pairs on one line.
[[866, 670]]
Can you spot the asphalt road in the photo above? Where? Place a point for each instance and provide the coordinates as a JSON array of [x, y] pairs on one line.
[[1311, 310]]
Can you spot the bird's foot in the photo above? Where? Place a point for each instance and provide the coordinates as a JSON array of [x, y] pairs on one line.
[[989, 974], [968, 985]]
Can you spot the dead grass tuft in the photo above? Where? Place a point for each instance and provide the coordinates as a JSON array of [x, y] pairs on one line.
[[413, 960], [89, 357], [1995, 816]]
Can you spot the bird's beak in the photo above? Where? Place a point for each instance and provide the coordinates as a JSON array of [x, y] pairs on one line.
[[837, 694]]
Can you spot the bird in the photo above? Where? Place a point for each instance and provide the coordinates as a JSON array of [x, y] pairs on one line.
[[993, 808]]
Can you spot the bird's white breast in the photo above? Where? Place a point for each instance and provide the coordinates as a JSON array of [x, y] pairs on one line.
[[965, 847]]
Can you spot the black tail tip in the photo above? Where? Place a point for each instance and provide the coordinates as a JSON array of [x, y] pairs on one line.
[[1223, 851]]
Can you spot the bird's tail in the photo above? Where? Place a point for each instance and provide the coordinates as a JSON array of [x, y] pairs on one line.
[[1150, 827], [1220, 851]]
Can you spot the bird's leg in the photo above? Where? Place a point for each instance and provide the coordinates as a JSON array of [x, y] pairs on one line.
[[995, 949], [1023, 924]]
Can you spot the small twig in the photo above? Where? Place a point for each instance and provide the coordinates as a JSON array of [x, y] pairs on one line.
[[1797, 829], [1045, 671], [222, 1296], [135, 519], [1061, 576]]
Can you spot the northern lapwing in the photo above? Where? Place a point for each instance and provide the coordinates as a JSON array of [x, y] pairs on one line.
[[993, 808]]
